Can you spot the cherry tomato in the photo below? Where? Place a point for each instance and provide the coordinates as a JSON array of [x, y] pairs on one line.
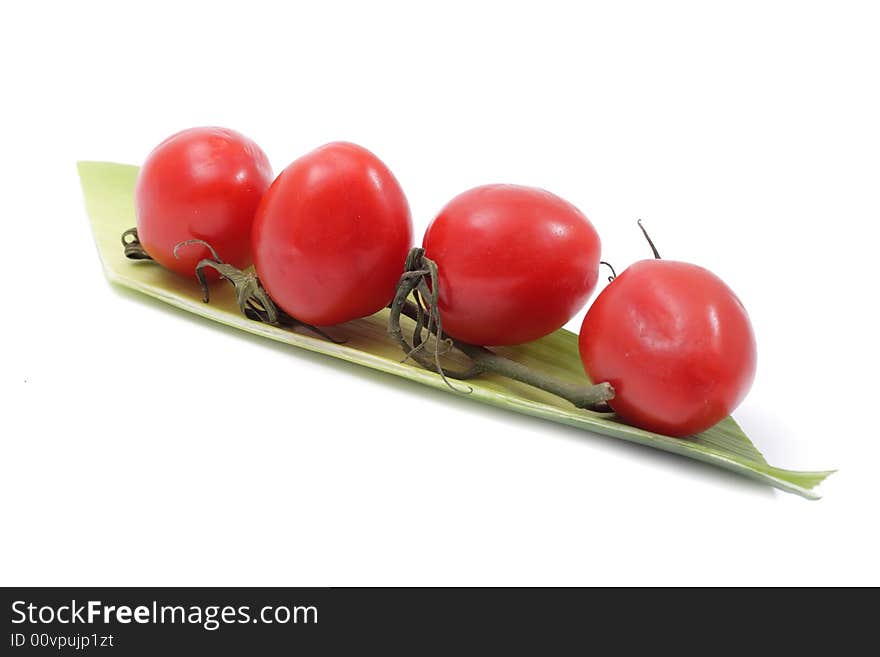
[[515, 263], [331, 235], [202, 183], [676, 344]]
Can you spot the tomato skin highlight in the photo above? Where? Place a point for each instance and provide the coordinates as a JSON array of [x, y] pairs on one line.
[[515, 263], [675, 342], [200, 183], [332, 234]]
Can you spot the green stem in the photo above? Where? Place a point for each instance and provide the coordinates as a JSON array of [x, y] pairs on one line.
[[592, 397]]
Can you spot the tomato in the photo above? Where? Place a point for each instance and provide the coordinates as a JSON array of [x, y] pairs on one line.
[[514, 263], [201, 183], [676, 344], [331, 235]]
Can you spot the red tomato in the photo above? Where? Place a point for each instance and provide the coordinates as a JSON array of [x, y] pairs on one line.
[[676, 344], [202, 183], [515, 263], [331, 235]]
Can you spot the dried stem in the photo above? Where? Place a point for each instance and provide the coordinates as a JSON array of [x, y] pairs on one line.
[[134, 250], [253, 300], [420, 279]]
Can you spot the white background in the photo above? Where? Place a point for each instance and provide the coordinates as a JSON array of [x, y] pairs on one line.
[[745, 134]]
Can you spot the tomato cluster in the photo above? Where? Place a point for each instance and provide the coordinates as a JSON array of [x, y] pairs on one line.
[[329, 239]]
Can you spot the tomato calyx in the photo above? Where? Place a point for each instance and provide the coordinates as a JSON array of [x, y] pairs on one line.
[[253, 300], [420, 279], [133, 249]]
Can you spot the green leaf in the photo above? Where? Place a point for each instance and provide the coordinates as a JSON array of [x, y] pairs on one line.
[[108, 190]]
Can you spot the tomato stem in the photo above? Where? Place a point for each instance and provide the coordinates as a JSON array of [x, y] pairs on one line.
[[591, 397], [420, 279], [613, 273], [134, 250], [650, 243]]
